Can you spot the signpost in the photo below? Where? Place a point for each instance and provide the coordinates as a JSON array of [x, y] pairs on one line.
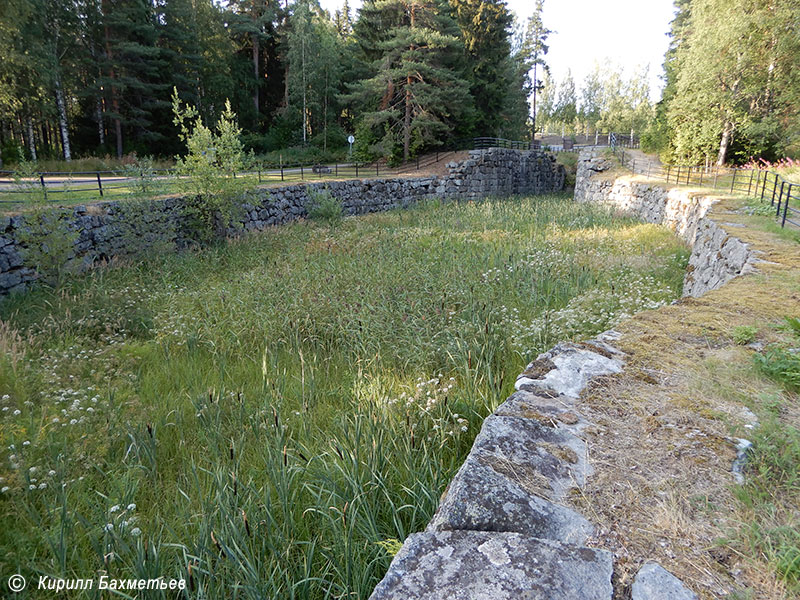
[[351, 140]]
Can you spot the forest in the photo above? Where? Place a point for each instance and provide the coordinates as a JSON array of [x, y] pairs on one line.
[[95, 77], [732, 83], [85, 78]]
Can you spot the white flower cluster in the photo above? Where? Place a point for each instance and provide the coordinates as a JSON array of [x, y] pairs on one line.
[[427, 407], [595, 310], [122, 520]]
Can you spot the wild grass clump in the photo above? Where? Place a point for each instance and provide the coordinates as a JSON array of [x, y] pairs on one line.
[[325, 208], [770, 495], [782, 361], [271, 417]]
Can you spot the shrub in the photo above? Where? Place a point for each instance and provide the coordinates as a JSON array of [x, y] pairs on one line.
[[744, 334], [145, 181], [324, 207], [46, 237], [208, 170]]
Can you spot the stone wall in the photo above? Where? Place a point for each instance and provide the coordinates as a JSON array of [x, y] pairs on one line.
[[502, 529], [502, 172], [717, 257], [107, 230]]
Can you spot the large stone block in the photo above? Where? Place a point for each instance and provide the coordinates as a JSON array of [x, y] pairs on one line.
[[654, 582], [481, 498], [573, 367], [473, 565]]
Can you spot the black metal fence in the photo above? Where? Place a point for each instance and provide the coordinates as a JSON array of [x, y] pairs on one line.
[[92, 185], [760, 184], [60, 186]]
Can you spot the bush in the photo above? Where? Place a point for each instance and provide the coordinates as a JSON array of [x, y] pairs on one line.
[[744, 334], [209, 168], [145, 180], [324, 207]]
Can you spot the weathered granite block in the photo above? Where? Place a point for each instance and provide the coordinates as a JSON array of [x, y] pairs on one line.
[[654, 582], [481, 498], [572, 367], [474, 565]]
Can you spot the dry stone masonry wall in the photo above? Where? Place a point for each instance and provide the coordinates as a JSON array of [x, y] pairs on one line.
[[110, 230], [503, 528], [717, 257]]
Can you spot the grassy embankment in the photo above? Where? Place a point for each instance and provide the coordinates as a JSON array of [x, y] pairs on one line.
[[264, 417], [700, 373]]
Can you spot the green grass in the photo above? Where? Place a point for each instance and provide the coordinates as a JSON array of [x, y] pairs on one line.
[[570, 162], [770, 495], [268, 417]]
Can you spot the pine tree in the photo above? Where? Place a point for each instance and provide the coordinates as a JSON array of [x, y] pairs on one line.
[[485, 27], [536, 49], [135, 71], [252, 25], [415, 93]]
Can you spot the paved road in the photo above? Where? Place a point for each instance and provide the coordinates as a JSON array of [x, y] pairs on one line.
[[57, 182]]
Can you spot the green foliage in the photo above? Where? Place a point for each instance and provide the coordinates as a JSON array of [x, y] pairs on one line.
[[100, 74], [760, 208], [609, 102], [26, 181], [391, 546], [732, 84], [782, 363], [324, 207], [48, 242], [793, 325], [145, 181], [46, 236], [207, 171], [415, 94], [262, 414], [314, 72], [744, 334], [771, 492], [490, 69]]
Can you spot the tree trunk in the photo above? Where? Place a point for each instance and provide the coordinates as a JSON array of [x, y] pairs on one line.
[[325, 114], [305, 111], [98, 115], [407, 122], [724, 143], [256, 72], [62, 119], [31, 139], [286, 62], [534, 101], [112, 76]]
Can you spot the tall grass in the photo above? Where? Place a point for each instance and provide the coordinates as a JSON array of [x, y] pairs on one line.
[[265, 418]]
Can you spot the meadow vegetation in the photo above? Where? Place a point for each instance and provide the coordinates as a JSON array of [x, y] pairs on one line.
[[268, 417]]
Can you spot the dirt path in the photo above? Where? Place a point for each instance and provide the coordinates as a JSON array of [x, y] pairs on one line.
[[662, 447]]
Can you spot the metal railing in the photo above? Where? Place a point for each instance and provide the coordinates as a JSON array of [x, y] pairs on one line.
[[760, 184], [90, 185], [60, 186]]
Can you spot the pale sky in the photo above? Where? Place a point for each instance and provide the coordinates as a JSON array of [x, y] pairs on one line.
[[629, 33]]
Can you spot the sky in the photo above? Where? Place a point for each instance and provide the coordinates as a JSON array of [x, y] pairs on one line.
[[628, 33]]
